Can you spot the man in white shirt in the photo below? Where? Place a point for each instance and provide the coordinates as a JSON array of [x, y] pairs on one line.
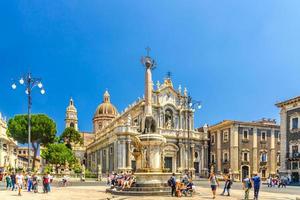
[[19, 182]]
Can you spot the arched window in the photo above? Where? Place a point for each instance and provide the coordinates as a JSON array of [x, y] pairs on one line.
[[72, 125]]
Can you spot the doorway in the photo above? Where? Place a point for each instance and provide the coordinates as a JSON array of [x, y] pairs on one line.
[[245, 172]]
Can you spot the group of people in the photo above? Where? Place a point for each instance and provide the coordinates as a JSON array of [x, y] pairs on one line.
[[28, 181], [248, 184], [280, 182], [181, 187], [121, 181]]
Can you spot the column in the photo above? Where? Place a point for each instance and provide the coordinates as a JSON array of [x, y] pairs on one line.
[[272, 161], [192, 156], [234, 151], [202, 159], [254, 152], [219, 153], [283, 118], [128, 164], [205, 161], [107, 159], [181, 167]]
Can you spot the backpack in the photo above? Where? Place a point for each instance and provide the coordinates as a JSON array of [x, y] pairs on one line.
[[170, 182], [248, 184]]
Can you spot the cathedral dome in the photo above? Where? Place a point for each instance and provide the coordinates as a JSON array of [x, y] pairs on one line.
[[106, 108]]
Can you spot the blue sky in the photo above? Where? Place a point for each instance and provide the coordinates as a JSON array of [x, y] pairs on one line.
[[238, 57]]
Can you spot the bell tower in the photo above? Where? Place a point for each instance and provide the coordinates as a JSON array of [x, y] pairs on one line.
[[71, 119]]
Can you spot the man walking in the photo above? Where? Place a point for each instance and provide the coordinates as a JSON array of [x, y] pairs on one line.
[[256, 184], [172, 184], [247, 185], [13, 181]]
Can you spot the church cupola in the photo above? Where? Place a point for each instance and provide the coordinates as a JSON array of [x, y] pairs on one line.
[[105, 112]]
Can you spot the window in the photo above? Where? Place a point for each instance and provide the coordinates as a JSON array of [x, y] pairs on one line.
[[5, 147], [263, 173], [225, 157], [225, 136], [295, 123], [264, 157], [278, 157], [72, 125], [20, 152], [278, 139], [24, 152], [245, 156], [294, 165], [213, 158], [104, 152], [245, 134], [111, 150], [294, 149], [263, 136], [212, 139]]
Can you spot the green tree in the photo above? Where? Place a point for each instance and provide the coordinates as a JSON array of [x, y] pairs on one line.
[[58, 155], [70, 136], [43, 130]]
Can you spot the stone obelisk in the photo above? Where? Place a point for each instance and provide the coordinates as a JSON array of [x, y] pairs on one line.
[[148, 88]]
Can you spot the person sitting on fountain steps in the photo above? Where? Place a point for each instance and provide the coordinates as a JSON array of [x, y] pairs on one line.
[[172, 184]]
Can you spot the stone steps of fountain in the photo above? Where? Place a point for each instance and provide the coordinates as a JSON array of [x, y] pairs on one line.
[[139, 193], [148, 189]]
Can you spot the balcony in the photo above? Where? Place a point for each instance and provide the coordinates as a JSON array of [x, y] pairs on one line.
[[293, 156], [263, 142], [245, 140], [263, 163], [295, 130], [225, 161], [245, 162]]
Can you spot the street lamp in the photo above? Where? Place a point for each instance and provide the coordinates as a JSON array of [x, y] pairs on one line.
[[29, 82], [190, 106]]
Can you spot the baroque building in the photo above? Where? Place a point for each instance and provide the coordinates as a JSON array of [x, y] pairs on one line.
[[8, 148], [290, 138], [114, 145], [71, 120], [245, 148]]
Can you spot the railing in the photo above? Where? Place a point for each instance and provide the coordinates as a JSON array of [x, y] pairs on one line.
[[295, 155]]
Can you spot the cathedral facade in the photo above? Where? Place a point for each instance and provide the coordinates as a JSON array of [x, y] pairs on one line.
[[113, 147]]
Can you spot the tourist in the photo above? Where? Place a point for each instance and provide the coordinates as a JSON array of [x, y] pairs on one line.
[[256, 184], [247, 185], [172, 184], [214, 183], [190, 188], [46, 182], [13, 181], [8, 182], [227, 186], [29, 182], [108, 182], [20, 182], [185, 179], [269, 181], [35, 183]]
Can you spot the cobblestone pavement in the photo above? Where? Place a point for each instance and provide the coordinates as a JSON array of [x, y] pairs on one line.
[[98, 193]]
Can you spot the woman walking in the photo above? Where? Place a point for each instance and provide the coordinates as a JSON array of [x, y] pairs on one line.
[[214, 183]]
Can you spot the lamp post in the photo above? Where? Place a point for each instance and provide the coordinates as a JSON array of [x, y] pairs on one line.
[[191, 106], [29, 82]]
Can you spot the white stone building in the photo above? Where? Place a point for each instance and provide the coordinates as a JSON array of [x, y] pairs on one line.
[[8, 148], [113, 148]]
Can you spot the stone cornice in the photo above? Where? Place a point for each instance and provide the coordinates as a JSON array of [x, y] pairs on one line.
[[288, 102]]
